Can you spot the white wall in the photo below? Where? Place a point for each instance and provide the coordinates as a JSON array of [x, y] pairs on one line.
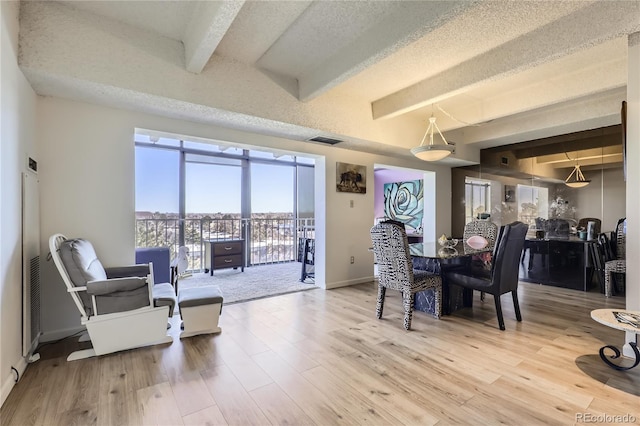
[[604, 198], [18, 123], [86, 184]]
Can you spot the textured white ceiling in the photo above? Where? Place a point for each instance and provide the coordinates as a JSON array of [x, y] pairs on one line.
[[368, 72], [310, 41], [167, 18], [258, 26]]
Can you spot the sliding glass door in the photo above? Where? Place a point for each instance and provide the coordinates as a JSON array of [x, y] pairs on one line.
[[212, 206], [273, 227]]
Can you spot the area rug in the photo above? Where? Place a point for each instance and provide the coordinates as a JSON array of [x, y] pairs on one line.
[[255, 282]]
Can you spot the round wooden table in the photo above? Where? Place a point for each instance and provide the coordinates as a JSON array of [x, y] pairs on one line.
[[607, 317]]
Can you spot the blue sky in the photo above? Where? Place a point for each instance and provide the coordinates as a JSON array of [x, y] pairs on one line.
[[210, 188]]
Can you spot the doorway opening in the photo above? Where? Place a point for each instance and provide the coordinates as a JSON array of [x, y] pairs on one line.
[[194, 195]]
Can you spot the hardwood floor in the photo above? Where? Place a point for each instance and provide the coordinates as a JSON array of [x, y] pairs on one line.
[[322, 358]]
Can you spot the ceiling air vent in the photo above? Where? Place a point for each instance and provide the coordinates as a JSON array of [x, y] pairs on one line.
[[324, 140]]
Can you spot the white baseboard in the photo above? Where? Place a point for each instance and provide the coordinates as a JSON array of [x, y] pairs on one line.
[[346, 283], [9, 382], [50, 336]]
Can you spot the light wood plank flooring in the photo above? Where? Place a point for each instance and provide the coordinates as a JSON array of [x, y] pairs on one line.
[[322, 358]]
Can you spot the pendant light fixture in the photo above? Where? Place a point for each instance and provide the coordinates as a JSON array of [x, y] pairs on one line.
[[432, 151], [578, 180]]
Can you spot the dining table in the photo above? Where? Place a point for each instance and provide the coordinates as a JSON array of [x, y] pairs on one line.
[[437, 258]]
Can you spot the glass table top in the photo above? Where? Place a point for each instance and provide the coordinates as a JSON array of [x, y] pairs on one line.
[[433, 250]]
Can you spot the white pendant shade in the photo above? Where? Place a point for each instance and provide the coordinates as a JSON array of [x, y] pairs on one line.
[[431, 151], [577, 184], [578, 180]]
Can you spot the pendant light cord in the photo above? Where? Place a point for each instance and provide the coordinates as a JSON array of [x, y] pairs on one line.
[[455, 119]]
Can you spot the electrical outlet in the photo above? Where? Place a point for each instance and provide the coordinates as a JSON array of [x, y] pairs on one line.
[[351, 203], [353, 260]]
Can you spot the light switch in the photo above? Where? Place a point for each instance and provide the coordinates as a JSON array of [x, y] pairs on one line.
[[351, 203]]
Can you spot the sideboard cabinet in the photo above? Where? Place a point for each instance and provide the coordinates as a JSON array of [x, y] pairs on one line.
[[222, 254], [560, 262]]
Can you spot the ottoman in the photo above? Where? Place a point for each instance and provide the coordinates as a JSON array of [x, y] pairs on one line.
[[200, 309]]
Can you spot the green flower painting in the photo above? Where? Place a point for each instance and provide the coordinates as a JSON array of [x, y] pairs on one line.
[[404, 202]]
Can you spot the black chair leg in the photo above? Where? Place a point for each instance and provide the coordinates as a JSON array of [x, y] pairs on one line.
[[516, 305], [496, 298]]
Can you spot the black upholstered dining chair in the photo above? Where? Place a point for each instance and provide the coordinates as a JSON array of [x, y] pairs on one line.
[[600, 254], [504, 269], [584, 222], [395, 270]]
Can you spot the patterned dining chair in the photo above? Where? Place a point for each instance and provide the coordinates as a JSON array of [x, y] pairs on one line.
[[395, 270], [618, 265], [484, 228]]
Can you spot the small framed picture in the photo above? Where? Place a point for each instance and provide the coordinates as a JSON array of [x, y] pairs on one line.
[[509, 194], [351, 178]]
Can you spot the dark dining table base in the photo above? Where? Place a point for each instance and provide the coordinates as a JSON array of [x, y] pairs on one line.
[[453, 297]]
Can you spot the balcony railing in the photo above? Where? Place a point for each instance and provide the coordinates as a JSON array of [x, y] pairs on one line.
[[266, 240]]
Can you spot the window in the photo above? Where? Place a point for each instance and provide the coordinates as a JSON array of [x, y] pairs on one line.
[[157, 197], [212, 189], [190, 192], [533, 202], [477, 198], [214, 147], [272, 190]]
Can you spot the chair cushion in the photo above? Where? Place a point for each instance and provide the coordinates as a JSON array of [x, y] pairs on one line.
[[121, 301], [198, 296], [128, 271], [475, 282], [81, 262], [618, 266], [421, 277], [114, 285], [163, 295]]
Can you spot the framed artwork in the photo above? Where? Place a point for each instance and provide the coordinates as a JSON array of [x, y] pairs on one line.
[[509, 193], [351, 178], [404, 202]]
